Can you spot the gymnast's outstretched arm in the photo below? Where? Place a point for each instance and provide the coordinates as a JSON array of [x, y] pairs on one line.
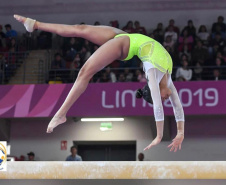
[[179, 117], [158, 109], [157, 106]]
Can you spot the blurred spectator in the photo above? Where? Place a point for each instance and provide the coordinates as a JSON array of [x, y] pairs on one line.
[[139, 29], [174, 56], [31, 156], [217, 75], [216, 44], [152, 35], [129, 27], [172, 24], [128, 75], [191, 29], [58, 62], [9, 32], [183, 58], [121, 77], [104, 77], [185, 41], [171, 33], [169, 42], [76, 63], [198, 71], [4, 68], [140, 77], [224, 55], [2, 34], [74, 156], [140, 157], [84, 54], [218, 31], [12, 58], [1, 45], [21, 158], [185, 52], [70, 49], [199, 54], [203, 35], [97, 23], [184, 73], [95, 47], [88, 45], [44, 40], [111, 75], [219, 55], [159, 33], [218, 62], [220, 23], [13, 45], [114, 24]]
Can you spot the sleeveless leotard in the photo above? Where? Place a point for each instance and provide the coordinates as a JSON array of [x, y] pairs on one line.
[[149, 50]]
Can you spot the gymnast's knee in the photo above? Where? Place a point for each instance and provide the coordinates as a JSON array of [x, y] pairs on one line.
[[85, 73]]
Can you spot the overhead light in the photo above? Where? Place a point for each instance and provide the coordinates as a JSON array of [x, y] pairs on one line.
[[101, 119]]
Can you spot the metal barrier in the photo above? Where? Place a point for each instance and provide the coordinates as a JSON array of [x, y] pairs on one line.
[[132, 74], [23, 67], [34, 67]]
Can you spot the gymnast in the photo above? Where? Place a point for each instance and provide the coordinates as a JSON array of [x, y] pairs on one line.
[[116, 44]]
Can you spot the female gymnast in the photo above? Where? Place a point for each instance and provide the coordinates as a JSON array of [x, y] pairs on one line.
[[119, 45]]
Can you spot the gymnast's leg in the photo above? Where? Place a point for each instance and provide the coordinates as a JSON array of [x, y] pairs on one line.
[[96, 34], [110, 51]]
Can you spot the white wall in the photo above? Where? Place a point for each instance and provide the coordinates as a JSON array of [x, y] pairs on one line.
[[29, 135], [147, 18]]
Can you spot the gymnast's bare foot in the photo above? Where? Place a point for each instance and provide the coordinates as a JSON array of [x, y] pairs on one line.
[[55, 122], [30, 24]]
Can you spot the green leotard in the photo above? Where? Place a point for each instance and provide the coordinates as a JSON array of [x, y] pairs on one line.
[[149, 50]]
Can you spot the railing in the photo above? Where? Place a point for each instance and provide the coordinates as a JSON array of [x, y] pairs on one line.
[[20, 68], [9, 63], [134, 74]]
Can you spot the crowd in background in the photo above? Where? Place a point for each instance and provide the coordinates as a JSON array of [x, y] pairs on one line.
[[11, 53], [195, 52]]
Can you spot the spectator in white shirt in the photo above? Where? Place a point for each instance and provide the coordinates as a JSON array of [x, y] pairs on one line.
[[171, 33], [184, 73], [203, 35]]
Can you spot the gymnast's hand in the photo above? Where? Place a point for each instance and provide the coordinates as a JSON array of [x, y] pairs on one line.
[[177, 142], [156, 141]]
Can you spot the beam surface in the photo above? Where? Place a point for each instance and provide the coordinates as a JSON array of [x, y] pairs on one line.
[[116, 170]]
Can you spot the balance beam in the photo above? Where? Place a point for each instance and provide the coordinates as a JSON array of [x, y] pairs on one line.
[[116, 170]]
